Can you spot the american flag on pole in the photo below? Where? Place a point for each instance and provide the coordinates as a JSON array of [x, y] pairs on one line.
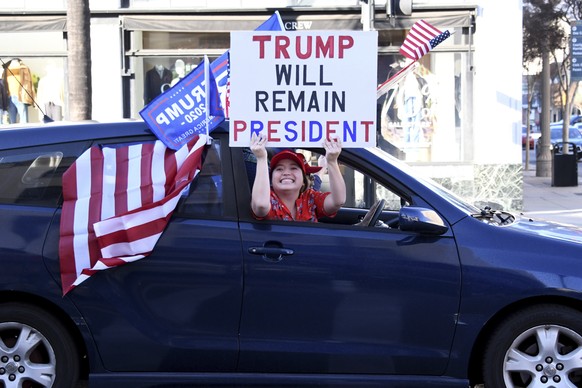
[[117, 203], [422, 38]]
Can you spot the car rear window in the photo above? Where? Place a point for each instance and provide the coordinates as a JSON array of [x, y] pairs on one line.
[[204, 198], [33, 176]]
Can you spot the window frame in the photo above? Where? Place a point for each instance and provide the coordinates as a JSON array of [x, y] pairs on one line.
[[348, 215]]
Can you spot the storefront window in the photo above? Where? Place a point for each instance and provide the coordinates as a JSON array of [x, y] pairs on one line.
[[185, 40], [33, 80], [161, 73], [422, 118], [166, 57]]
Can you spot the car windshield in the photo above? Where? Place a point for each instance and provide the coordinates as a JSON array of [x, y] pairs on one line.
[[572, 134], [428, 182]]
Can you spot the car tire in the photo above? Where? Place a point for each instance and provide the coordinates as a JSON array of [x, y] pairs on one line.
[[537, 346], [35, 349]]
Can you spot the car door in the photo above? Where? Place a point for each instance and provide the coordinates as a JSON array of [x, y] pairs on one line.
[[178, 309], [329, 298]]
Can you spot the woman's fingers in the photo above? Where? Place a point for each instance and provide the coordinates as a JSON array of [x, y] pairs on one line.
[[258, 143], [333, 145]]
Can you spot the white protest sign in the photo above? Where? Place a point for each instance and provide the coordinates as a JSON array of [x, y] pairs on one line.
[[300, 87]]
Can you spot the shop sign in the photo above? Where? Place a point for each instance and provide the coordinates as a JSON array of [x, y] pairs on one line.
[[576, 50]]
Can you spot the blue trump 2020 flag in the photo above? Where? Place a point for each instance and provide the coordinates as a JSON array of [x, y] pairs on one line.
[[189, 108], [220, 67]]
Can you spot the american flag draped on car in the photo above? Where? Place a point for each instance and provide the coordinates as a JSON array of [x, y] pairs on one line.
[[422, 38], [117, 203]]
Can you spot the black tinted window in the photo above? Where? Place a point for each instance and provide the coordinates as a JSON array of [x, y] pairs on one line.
[[205, 196], [32, 176]]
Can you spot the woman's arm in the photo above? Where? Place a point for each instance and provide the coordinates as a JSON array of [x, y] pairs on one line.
[[335, 200], [261, 195]]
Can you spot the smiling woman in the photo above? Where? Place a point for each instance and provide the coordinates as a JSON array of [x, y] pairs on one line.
[[290, 197]]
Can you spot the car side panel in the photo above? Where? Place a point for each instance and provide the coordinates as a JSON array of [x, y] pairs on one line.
[[175, 310], [347, 300]]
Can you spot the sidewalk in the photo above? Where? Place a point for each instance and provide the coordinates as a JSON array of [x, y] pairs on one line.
[[560, 204]]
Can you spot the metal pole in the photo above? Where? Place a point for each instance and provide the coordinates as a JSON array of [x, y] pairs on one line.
[[368, 10], [543, 154]]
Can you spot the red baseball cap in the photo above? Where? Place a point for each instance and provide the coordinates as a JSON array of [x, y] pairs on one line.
[[296, 157]]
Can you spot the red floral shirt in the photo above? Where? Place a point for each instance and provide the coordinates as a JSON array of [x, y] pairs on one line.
[[309, 207]]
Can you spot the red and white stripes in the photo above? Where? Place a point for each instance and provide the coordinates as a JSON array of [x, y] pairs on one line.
[[117, 203], [417, 42]]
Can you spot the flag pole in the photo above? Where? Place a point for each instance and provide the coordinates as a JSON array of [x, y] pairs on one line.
[[280, 20], [207, 91], [390, 82]]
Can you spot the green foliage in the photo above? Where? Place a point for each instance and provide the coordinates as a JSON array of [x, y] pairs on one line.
[[541, 28]]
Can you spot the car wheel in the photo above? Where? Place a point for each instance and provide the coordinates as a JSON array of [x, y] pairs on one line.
[[35, 349], [536, 347]]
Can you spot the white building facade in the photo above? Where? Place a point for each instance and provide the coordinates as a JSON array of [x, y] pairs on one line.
[[458, 117]]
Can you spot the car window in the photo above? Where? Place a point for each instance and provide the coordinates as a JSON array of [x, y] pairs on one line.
[[204, 197], [573, 133], [362, 191], [33, 176]]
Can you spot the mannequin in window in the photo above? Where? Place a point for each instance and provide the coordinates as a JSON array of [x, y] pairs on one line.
[[51, 94], [156, 78], [18, 80], [180, 69]]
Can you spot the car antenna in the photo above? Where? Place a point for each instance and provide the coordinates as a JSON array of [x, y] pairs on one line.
[[45, 118]]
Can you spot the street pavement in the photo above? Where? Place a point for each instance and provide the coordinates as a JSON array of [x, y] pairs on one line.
[[541, 200]]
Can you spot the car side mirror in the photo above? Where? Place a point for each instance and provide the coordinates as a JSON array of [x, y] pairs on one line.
[[421, 220]]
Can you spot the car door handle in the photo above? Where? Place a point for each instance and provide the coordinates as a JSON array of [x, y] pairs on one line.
[[271, 253]]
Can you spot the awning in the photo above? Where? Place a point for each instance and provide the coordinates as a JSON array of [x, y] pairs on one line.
[[227, 23], [206, 23], [307, 21], [440, 19], [32, 23]]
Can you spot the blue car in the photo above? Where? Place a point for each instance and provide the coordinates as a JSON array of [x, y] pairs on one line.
[[407, 286]]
